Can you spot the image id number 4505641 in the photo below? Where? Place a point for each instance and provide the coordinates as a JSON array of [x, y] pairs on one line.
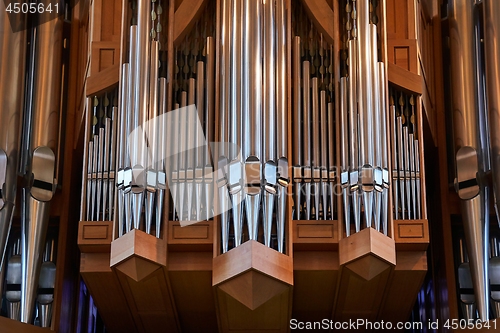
[[32, 7]]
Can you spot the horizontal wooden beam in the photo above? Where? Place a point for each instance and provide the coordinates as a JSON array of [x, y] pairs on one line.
[[404, 79], [104, 80]]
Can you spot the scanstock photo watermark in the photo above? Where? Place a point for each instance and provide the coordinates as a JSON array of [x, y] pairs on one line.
[[367, 325]]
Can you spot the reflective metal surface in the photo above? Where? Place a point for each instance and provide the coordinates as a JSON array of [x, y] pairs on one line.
[[470, 148], [12, 53]]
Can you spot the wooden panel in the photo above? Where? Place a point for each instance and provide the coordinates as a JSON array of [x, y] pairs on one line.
[[106, 292], [273, 316], [194, 300], [405, 283], [150, 302], [189, 261], [104, 55], [367, 241], [411, 235], [95, 236], [401, 19], [315, 234], [14, 326], [253, 255], [359, 298], [404, 79], [315, 283], [102, 81], [107, 15], [195, 237], [137, 242], [403, 53]]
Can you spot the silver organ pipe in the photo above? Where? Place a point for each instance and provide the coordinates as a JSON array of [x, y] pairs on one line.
[[192, 178], [41, 138], [469, 147], [405, 156], [314, 167]]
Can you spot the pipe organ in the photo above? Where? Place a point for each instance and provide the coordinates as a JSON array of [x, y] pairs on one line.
[[248, 162]]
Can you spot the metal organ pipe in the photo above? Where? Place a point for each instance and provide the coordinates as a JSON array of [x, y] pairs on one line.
[[41, 159], [139, 133], [469, 149]]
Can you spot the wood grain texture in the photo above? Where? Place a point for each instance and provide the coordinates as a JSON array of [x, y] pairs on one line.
[[138, 243], [14, 326], [253, 255], [367, 242], [273, 316], [195, 237], [321, 14], [103, 81], [315, 279], [106, 292], [404, 284], [404, 79], [315, 234], [185, 17], [411, 235], [403, 53], [359, 298], [95, 236]]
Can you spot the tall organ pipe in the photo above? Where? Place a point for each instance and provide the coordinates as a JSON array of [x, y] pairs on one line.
[[282, 122], [468, 146], [41, 163]]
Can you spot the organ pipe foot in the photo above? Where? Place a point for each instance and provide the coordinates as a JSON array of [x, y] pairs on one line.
[[237, 211], [268, 208], [252, 205], [137, 203], [281, 217], [347, 211]]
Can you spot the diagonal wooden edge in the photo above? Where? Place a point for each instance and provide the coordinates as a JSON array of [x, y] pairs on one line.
[[252, 255], [322, 15], [367, 242], [140, 244], [185, 17]]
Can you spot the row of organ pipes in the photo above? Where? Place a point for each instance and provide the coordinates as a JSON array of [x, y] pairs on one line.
[[252, 171], [313, 122], [474, 31], [191, 176], [33, 72], [142, 99], [364, 146]]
